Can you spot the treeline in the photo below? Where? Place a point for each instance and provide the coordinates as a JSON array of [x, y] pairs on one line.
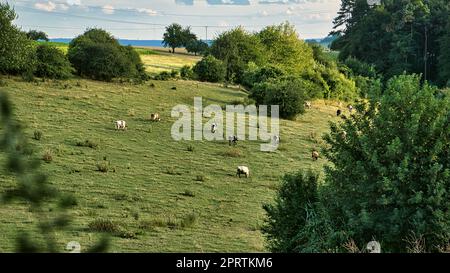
[[397, 37], [277, 67], [95, 54]]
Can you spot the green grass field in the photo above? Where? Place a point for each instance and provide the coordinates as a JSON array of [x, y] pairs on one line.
[[162, 195], [155, 179]]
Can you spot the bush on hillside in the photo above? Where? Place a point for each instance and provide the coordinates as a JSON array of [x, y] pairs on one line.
[[255, 74], [52, 63], [297, 194], [187, 73], [97, 55], [289, 94], [209, 69]]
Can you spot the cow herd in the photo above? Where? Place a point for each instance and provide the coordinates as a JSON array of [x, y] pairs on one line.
[[233, 140]]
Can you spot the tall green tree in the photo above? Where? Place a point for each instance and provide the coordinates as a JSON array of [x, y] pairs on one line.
[[390, 172], [98, 55], [173, 37], [444, 58], [16, 50], [284, 48], [236, 48], [395, 36]]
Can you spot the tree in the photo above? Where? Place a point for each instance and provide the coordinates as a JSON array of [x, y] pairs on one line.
[[197, 47], [236, 48], [97, 55], [390, 173], [174, 37], [283, 48], [396, 36], [210, 69], [444, 58], [37, 35], [17, 52], [52, 63]]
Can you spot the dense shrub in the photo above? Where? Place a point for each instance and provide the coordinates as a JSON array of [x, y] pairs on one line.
[[97, 55], [288, 215], [186, 73], [163, 76], [255, 74], [210, 69], [52, 63], [288, 93]]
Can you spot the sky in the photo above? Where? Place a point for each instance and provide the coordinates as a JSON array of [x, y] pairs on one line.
[[146, 19]]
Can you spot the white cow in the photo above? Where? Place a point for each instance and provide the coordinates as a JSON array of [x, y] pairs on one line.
[[121, 125], [243, 170]]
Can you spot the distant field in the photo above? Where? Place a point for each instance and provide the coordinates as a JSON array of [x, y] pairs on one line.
[[162, 60], [153, 182]]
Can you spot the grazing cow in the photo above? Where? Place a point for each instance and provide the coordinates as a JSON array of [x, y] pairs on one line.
[[344, 117], [308, 104], [315, 155], [276, 139], [232, 140], [213, 128], [243, 170], [155, 117], [121, 125], [338, 112]]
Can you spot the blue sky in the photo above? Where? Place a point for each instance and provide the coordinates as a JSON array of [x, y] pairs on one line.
[[145, 19]]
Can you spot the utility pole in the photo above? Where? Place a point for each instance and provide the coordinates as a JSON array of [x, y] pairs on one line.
[[206, 30]]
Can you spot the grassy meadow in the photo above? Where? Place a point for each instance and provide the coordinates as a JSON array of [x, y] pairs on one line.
[[159, 194]]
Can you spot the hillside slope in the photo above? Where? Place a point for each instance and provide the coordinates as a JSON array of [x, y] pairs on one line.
[[154, 183]]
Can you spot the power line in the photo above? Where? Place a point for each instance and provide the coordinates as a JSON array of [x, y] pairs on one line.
[[56, 13], [162, 13]]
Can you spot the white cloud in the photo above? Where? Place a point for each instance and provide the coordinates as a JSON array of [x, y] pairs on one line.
[[147, 11], [108, 9], [47, 6], [74, 2]]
